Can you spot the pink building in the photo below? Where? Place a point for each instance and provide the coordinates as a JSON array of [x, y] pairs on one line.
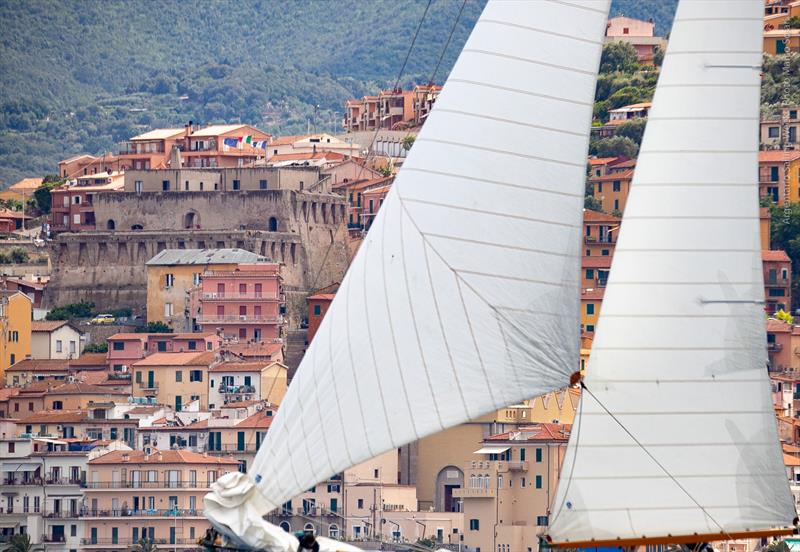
[[245, 304], [124, 349]]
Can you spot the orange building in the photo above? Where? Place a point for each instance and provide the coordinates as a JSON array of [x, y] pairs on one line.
[[612, 190], [774, 166], [599, 233], [777, 280], [595, 271], [591, 299], [85, 165], [318, 305], [73, 205]]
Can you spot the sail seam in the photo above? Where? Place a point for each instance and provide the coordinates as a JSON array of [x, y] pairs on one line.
[[484, 212], [654, 445], [336, 392], [599, 348], [759, 19], [684, 413], [518, 91], [530, 311], [685, 380], [692, 476], [314, 364], [528, 60], [641, 185], [490, 181], [656, 250], [697, 151], [691, 217], [502, 152], [643, 283], [537, 30], [509, 121], [701, 118], [579, 7], [508, 351], [514, 278], [701, 52], [501, 245]]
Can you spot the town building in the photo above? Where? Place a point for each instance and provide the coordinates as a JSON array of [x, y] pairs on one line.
[[318, 305], [600, 232], [93, 423], [781, 132], [638, 33], [778, 174], [777, 268], [172, 274], [56, 339], [148, 494], [11, 221], [595, 272], [73, 203], [764, 219], [233, 382], [622, 115], [372, 200], [22, 190], [612, 189], [32, 285], [358, 208], [174, 379], [778, 41], [85, 165], [313, 143], [124, 349], [591, 299], [390, 109], [509, 486], [16, 313], [244, 302]]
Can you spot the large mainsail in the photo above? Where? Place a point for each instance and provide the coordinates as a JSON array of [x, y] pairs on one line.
[[675, 438], [464, 296]]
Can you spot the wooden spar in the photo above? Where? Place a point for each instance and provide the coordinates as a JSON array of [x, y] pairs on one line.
[[670, 539]]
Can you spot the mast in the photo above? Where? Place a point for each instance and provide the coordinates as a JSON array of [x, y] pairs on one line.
[[675, 438], [464, 296]]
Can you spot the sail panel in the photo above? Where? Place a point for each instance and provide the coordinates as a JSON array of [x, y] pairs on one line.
[[676, 434], [463, 297]]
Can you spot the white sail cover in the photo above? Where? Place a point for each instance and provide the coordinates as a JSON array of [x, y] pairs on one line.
[[679, 356], [464, 296]]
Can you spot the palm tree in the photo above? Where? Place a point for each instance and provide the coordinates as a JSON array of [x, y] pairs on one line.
[[145, 545], [20, 543]]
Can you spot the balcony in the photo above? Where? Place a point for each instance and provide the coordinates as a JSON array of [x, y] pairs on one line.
[[130, 542], [240, 319], [775, 347], [220, 449], [33, 481], [65, 481], [70, 514], [777, 283], [244, 296], [144, 485], [589, 240], [512, 466], [147, 513], [237, 390], [54, 538], [148, 386], [469, 492]]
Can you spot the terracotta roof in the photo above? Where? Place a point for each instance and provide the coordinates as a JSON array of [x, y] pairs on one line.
[[775, 255], [79, 388], [304, 156], [177, 359], [378, 190], [624, 164], [259, 420], [144, 409], [601, 261], [321, 297], [96, 377], [240, 404], [778, 156], [56, 416], [161, 457], [89, 359], [159, 134], [47, 325], [7, 392], [600, 160], [288, 140], [129, 336], [790, 449], [624, 175], [536, 432], [254, 350], [40, 365], [778, 326], [597, 216], [26, 184], [39, 386], [790, 460], [241, 366]]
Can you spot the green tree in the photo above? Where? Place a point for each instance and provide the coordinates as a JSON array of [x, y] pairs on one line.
[[633, 129], [96, 348], [785, 235], [83, 309], [658, 56], [145, 545], [154, 327], [792, 23], [19, 255], [408, 141], [20, 543], [592, 203], [619, 56], [778, 546], [614, 147]]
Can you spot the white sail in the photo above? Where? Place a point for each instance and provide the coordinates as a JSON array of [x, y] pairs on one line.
[[688, 444], [464, 296]]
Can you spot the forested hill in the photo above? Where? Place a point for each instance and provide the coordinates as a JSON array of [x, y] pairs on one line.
[[79, 76]]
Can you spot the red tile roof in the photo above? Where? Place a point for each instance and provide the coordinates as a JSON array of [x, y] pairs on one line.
[[40, 365], [601, 261], [321, 297], [624, 175], [775, 255], [600, 160], [259, 420], [47, 325], [536, 432], [778, 326], [778, 156], [161, 457], [253, 350], [178, 359], [597, 216], [241, 366]]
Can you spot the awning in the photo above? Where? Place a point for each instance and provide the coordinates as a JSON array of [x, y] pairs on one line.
[[23, 466], [491, 450], [46, 440]]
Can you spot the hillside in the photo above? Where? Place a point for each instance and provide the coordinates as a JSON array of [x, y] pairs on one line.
[[81, 76]]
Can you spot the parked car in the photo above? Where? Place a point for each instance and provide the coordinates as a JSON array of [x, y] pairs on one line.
[[103, 319]]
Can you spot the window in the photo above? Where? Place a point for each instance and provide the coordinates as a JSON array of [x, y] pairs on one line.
[[616, 205], [59, 346], [538, 455], [617, 185], [193, 345], [76, 200], [167, 310], [165, 185], [793, 114], [178, 375], [773, 174], [774, 132], [195, 375], [538, 481], [72, 347], [138, 377], [118, 346], [360, 504], [196, 279], [161, 346], [599, 187], [604, 253], [13, 358], [590, 274], [522, 455], [262, 184], [73, 530], [542, 521], [522, 483], [589, 328], [12, 447], [169, 280], [58, 405], [76, 219], [317, 310], [237, 185], [474, 525], [590, 308]]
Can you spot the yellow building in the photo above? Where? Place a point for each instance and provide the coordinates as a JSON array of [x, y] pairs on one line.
[[174, 379], [230, 382], [591, 299], [16, 310], [22, 190], [173, 272], [778, 175], [509, 485]]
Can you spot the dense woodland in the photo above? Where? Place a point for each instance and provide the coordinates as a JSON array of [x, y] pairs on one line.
[[79, 77]]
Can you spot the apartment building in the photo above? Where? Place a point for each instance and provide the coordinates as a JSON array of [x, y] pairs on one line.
[[318, 305], [509, 486], [174, 379], [372, 199], [778, 175], [357, 205], [312, 143], [782, 341], [86, 165], [612, 190], [620, 116], [244, 303], [148, 494], [56, 339], [777, 267], [781, 132], [124, 349], [595, 271], [233, 382], [600, 232], [390, 109], [16, 312], [591, 299], [173, 273], [93, 423], [638, 33], [72, 207]]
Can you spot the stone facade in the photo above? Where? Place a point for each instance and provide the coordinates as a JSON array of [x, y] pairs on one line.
[[304, 231]]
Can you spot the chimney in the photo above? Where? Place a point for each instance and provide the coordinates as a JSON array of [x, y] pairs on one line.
[[175, 157]]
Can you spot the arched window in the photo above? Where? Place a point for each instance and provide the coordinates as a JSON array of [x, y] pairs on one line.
[[111, 225], [191, 220], [286, 527], [333, 531], [273, 224], [137, 227], [309, 528]]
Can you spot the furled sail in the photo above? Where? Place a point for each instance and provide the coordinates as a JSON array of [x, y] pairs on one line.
[[464, 296], [676, 434]]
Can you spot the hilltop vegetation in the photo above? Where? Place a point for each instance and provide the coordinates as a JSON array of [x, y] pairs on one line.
[[82, 76]]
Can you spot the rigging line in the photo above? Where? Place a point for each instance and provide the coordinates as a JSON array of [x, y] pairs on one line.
[[447, 43], [577, 434], [655, 460]]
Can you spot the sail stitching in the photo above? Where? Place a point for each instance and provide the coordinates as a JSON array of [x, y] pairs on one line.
[[707, 85], [490, 181], [336, 393], [692, 476], [528, 60], [518, 91], [560, 284], [485, 212], [541, 31], [508, 121], [577, 434], [502, 245], [314, 364], [579, 7], [414, 320], [391, 324], [508, 353], [502, 152]]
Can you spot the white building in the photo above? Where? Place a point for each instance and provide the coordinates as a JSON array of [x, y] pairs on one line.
[[56, 339]]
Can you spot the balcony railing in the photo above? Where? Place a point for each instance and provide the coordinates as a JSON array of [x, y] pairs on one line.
[[778, 282], [240, 319], [774, 347], [236, 389], [54, 538], [148, 386], [224, 296], [477, 492], [145, 485], [155, 512], [20, 482], [512, 466], [65, 481], [604, 239], [69, 514], [233, 448], [131, 542]]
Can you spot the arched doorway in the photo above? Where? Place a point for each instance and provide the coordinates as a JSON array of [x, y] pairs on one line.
[[286, 527], [111, 225], [191, 220], [309, 528], [273, 224], [449, 479]]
